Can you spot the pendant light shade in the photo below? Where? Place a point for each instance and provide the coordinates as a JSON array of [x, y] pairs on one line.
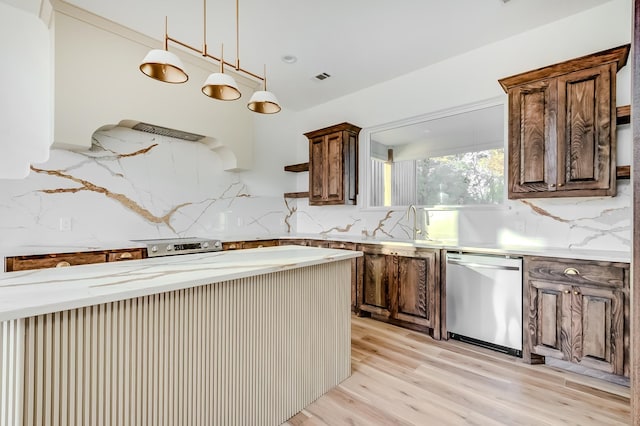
[[163, 65], [221, 86], [264, 102]]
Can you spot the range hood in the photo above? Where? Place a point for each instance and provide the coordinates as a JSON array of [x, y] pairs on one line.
[[97, 86]]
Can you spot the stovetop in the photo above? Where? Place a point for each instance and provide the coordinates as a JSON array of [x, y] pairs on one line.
[[185, 245]]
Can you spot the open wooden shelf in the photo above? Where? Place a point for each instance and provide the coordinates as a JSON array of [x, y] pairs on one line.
[[623, 114], [623, 172], [296, 168], [296, 195]]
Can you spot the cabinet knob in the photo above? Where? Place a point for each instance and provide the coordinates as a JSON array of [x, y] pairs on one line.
[[553, 185], [567, 292], [561, 184], [126, 255], [576, 292], [571, 271], [63, 264]]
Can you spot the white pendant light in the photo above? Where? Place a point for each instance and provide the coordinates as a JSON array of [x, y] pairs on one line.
[[221, 86], [263, 101], [163, 65], [160, 64]]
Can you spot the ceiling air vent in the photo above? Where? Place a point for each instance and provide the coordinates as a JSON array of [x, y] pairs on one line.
[[164, 131], [322, 76]]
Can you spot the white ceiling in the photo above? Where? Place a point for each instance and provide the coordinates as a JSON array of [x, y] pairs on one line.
[[358, 42]]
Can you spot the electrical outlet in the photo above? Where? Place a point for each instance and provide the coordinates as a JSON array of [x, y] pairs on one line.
[[65, 224]]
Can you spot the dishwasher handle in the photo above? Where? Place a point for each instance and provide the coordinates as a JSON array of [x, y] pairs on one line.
[[482, 265]]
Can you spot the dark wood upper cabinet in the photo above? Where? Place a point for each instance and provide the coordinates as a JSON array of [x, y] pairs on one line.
[[333, 165], [562, 127]]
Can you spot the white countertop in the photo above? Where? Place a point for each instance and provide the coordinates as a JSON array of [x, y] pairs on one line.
[[29, 293], [497, 249], [77, 247]]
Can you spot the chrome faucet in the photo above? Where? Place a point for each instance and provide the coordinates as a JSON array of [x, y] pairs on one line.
[[415, 229]]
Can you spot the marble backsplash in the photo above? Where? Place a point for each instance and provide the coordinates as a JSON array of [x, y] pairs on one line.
[[593, 223], [134, 185]]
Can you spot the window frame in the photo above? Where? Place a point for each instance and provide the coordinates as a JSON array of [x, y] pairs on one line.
[[365, 155]]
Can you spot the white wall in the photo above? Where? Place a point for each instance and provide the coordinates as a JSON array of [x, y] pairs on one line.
[[25, 94], [473, 76], [277, 140]]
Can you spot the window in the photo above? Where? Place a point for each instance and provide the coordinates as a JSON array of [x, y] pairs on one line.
[[453, 160]]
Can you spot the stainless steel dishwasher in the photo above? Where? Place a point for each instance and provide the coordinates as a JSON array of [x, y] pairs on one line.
[[484, 300]]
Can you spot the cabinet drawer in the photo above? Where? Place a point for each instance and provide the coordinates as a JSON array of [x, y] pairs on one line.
[[342, 245], [23, 263], [259, 244], [232, 245], [577, 272], [294, 242], [124, 255]]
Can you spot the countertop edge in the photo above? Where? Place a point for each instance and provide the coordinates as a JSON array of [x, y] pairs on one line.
[[152, 266]]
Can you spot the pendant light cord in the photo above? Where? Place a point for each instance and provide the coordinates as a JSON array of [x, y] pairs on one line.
[[204, 28], [237, 34]]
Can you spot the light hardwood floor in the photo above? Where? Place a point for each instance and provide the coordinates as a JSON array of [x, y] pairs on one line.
[[401, 377]]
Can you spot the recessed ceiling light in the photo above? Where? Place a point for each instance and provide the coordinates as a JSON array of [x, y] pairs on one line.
[[289, 59]]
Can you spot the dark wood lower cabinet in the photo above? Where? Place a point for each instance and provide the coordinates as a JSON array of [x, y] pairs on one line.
[[415, 301], [59, 260], [577, 313], [374, 281], [400, 286]]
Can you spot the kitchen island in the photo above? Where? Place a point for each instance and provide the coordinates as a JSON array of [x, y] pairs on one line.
[[246, 337]]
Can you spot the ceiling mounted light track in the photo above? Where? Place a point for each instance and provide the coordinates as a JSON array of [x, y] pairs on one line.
[[165, 66]]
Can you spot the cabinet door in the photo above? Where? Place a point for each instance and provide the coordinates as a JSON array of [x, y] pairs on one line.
[[374, 283], [334, 172], [414, 278], [597, 329], [317, 167], [585, 129], [532, 138], [550, 319]]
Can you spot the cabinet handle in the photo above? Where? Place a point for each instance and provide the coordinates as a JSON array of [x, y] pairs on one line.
[[126, 255], [571, 271], [63, 264]]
